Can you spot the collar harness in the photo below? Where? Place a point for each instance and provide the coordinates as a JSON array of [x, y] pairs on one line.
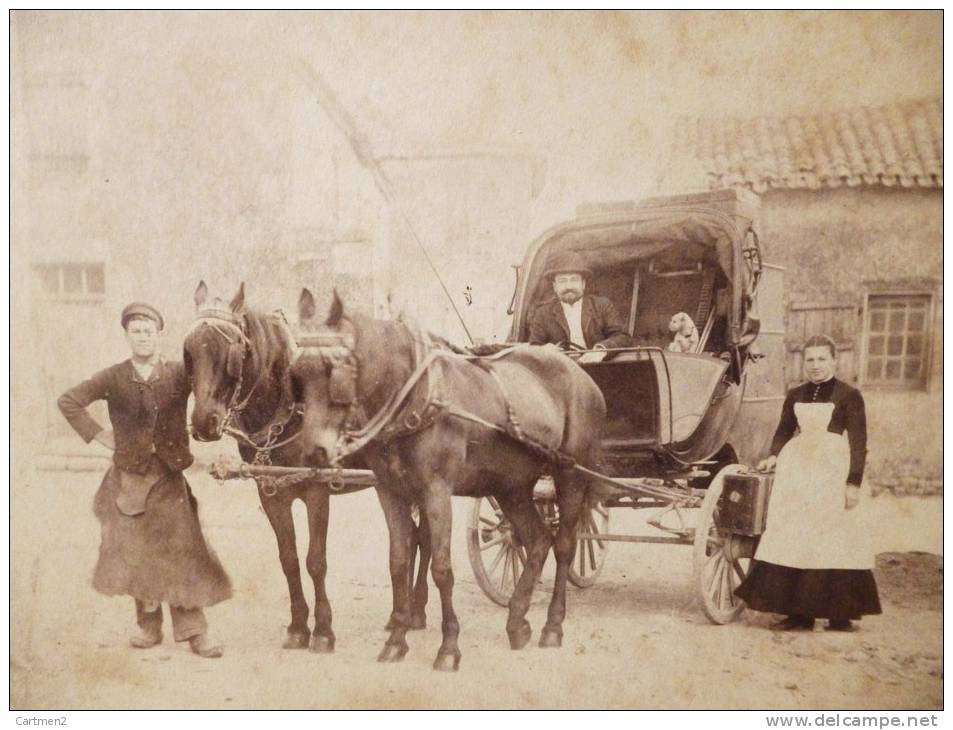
[[231, 328], [401, 415], [405, 412]]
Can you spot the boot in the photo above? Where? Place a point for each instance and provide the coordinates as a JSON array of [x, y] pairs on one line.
[[201, 646], [147, 637], [840, 624], [794, 623]]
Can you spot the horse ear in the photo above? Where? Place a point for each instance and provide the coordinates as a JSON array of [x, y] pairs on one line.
[[201, 294], [337, 311], [306, 306], [238, 301]]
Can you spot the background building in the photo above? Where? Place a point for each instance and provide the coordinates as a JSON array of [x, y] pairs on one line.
[[851, 205], [151, 150]]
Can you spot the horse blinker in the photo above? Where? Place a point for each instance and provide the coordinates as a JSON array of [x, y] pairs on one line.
[[342, 383]]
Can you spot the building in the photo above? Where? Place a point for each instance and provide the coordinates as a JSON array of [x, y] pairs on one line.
[[851, 205], [134, 175]]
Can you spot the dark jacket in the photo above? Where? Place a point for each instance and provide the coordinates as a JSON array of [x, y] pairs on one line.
[[601, 324], [849, 415], [146, 417]]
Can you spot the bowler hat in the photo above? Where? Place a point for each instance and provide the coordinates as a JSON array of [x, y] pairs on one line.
[[567, 262], [141, 309]]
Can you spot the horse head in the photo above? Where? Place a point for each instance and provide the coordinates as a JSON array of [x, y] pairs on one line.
[[215, 351], [324, 377]]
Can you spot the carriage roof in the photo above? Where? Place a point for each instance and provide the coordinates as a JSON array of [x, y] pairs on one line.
[[710, 228]]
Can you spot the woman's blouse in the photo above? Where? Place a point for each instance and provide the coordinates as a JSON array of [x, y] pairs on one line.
[[849, 415]]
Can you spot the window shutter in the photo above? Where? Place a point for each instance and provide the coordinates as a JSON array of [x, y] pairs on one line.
[[838, 320]]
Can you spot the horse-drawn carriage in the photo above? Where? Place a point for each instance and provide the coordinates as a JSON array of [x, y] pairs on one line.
[[674, 425], [678, 423]]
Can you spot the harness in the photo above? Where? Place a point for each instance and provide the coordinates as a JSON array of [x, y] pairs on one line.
[[398, 417], [231, 328]]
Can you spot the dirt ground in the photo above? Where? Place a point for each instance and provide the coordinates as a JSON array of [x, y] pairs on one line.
[[635, 640]]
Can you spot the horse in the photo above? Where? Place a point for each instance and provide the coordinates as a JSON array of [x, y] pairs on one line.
[[445, 424], [238, 361]]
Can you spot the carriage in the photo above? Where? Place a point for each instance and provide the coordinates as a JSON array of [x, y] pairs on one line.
[[679, 424]]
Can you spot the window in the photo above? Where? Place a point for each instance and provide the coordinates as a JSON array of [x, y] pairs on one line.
[[897, 339], [72, 281]]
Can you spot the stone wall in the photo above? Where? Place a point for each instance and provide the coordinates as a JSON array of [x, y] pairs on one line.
[[838, 244]]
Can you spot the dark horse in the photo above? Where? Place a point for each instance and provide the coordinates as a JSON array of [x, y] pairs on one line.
[[470, 448], [239, 363]]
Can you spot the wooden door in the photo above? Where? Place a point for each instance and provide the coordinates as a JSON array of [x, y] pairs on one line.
[[838, 320]]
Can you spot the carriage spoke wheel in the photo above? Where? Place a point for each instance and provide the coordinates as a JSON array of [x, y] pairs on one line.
[[498, 558], [496, 555], [720, 562], [590, 553]]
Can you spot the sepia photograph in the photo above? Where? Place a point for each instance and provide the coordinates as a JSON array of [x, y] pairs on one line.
[[471, 360]]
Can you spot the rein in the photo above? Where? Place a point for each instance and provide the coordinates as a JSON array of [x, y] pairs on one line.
[[336, 349], [220, 320]]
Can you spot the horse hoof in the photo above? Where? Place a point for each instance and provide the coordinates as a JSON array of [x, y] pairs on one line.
[[520, 637], [418, 622], [322, 644], [296, 640], [392, 653], [447, 662], [551, 639]]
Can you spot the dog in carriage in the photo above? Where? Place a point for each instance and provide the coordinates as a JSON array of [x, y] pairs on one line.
[[686, 334]]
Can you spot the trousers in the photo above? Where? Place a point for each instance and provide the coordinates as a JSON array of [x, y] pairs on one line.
[[186, 622]]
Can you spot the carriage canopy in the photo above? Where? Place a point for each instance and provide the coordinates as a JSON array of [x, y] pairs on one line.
[[653, 251]]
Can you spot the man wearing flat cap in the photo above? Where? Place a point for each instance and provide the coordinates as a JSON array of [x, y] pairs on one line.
[[152, 547], [575, 317]]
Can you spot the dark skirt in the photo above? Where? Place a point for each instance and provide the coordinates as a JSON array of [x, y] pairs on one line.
[[830, 594], [160, 555]]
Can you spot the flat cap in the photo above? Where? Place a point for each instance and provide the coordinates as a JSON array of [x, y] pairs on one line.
[[141, 309]]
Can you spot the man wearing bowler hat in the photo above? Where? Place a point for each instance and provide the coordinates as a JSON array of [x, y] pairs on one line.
[[152, 547], [575, 317]]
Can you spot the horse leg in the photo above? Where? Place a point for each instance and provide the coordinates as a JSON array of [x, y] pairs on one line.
[[318, 503], [439, 517], [571, 491], [418, 617], [400, 526], [278, 511], [421, 542], [534, 535]]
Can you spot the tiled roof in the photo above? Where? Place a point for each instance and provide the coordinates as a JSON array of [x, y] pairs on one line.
[[895, 145]]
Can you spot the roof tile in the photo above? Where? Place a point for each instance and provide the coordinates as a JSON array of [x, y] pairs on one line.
[[895, 145]]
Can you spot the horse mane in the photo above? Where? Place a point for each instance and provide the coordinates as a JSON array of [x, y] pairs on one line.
[[270, 341]]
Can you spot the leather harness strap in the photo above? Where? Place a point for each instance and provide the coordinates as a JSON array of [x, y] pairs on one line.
[[387, 424], [265, 440]]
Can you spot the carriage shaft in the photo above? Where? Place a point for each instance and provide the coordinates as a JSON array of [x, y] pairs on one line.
[[599, 537]]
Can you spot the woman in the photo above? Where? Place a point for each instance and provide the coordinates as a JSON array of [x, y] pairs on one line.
[[152, 546], [813, 560]]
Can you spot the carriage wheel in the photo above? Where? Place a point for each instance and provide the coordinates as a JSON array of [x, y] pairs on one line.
[[721, 561], [497, 556], [590, 554]]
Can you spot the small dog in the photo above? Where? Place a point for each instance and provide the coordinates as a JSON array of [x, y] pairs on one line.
[[686, 335]]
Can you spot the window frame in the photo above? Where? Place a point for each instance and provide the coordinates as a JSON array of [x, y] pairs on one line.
[[61, 295], [901, 386]]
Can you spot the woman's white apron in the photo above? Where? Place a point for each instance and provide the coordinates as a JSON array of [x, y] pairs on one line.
[[808, 526]]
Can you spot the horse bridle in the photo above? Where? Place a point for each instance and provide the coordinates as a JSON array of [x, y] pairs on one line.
[[336, 352], [223, 322]]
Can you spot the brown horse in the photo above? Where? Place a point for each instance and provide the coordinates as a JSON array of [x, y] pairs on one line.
[[442, 418], [239, 364]]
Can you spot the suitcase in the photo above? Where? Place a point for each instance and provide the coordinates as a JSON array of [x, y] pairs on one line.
[[743, 507]]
